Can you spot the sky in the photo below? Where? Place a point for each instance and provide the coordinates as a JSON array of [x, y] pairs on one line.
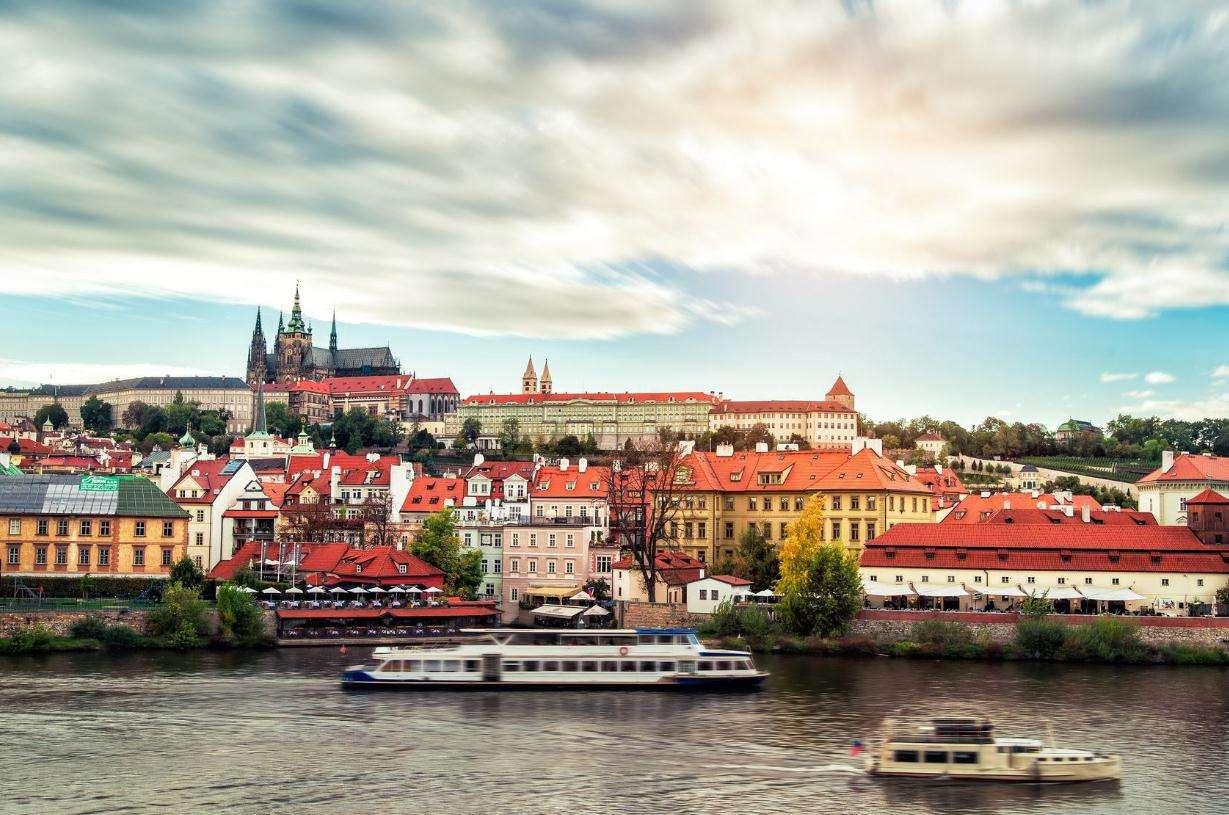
[[974, 209]]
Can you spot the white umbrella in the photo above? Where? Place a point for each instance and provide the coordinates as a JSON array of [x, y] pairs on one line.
[[270, 590], [876, 590], [396, 590], [294, 590], [595, 611], [434, 590], [413, 590], [581, 595], [316, 590], [1060, 593], [765, 593], [247, 589], [358, 590], [375, 590], [337, 590]]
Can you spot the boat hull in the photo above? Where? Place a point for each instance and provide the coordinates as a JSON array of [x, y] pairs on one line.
[[1106, 770], [361, 680]]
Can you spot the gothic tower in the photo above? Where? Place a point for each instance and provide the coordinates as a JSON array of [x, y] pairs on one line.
[[256, 354], [333, 338], [529, 379], [546, 383], [293, 346]]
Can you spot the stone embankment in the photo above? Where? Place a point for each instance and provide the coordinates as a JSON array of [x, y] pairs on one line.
[[61, 621]]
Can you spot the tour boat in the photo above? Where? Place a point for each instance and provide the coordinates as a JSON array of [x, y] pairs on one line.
[[962, 748], [651, 658]]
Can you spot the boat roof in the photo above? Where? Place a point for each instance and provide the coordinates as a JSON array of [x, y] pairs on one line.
[[592, 632]]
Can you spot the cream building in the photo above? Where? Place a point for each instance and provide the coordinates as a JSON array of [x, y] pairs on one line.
[[1165, 491], [831, 423]]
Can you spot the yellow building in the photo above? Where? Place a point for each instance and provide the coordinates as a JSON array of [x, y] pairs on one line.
[[724, 494], [73, 525]]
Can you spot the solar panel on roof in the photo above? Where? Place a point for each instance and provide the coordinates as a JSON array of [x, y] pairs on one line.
[[231, 467]]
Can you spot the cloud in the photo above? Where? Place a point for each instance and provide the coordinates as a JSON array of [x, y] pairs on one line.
[[1140, 394], [574, 170], [1213, 406], [1112, 377], [1221, 372], [1159, 378], [23, 374]]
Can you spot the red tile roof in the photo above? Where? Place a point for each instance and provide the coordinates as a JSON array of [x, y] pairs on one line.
[[428, 494], [730, 579], [839, 388], [356, 385], [1208, 496], [779, 406], [29, 447], [596, 396], [803, 470], [930, 436], [206, 474], [379, 565], [551, 482], [977, 508], [1099, 517], [1191, 467], [441, 384]]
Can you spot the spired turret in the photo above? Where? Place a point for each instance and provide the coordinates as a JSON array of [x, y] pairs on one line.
[[529, 379], [545, 385]]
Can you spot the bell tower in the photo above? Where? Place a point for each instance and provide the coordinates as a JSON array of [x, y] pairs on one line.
[[256, 354], [529, 379]]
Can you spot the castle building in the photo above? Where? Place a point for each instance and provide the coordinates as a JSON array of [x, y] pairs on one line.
[[295, 358], [828, 424]]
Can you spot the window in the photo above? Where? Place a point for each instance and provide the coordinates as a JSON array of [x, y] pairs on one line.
[[83, 556], [138, 556], [1031, 580], [603, 563], [513, 597], [935, 756], [515, 565], [139, 530], [855, 502], [729, 530], [870, 530], [104, 557], [1164, 581], [568, 567], [40, 555], [752, 504], [1114, 581], [550, 567], [200, 515], [168, 529], [702, 530], [703, 594], [855, 531], [1005, 580], [1199, 582], [533, 567], [1062, 581], [870, 502], [905, 756], [571, 541], [836, 502], [61, 527], [714, 594], [767, 531], [86, 528], [964, 757], [14, 526], [14, 555], [40, 527], [951, 578], [104, 528], [836, 530], [550, 540], [61, 556]]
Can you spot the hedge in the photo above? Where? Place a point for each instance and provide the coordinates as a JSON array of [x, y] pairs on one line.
[[100, 586]]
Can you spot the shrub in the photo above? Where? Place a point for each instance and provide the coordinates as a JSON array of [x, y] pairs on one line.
[[858, 646], [179, 620], [29, 640], [120, 637], [240, 621], [95, 586], [730, 620], [89, 628], [1108, 639], [1035, 607], [1040, 638], [946, 639], [187, 573], [1178, 654]]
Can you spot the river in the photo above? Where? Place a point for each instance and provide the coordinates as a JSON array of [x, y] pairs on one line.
[[272, 732]]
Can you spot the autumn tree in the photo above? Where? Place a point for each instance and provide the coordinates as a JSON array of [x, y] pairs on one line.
[[439, 544], [820, 587], [642, 496]]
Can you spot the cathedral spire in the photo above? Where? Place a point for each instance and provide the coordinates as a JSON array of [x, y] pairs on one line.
[[279, 323], [259, 427], [333, 334], [258, 332], [296, 315]]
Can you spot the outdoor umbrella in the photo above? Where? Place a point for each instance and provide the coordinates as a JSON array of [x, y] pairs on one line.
[[396, 590], [337, 590], [595, 611], [413, 590], [581, 595], [765, 593], [358, 590], [270, 590], [316, 590], [375, 590], [247, 590], [434, 590], [294, 590]]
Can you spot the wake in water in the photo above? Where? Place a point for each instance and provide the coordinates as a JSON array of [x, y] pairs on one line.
[[834, 769]]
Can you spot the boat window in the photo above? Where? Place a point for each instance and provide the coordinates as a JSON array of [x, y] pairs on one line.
[[471, 665], [413, 665], [610, 666], [666, 666], [905, 756], [936, 757], [666, 639], [687, 667], [550, 665], [963, 757], [706, 665], [723, 665], [692, 639], [589, 666], [511, 666], [452, 666], [1024, 748], [392, 666], [744, 665], [531, 665], [627, 666], [431, 665], [647, 639], [570, 666], [648, 667]]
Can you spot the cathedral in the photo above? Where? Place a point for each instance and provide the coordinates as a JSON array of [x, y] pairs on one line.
[[294, 357]]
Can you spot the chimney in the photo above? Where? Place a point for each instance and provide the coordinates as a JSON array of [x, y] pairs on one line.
[[1070, 510], [324, 460], [985, 493], [761, 447], [724, 451], [582, 464], [1167, 460], [563, 465], [334, 482], [938, 469], [478, 459], [900, 462], [911, 469], [1007, 504], [1086, 514]]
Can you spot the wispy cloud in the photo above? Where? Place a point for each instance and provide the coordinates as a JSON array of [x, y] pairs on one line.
[[1221, 372], [24, 373], [1214, 406], [1140, 394], [482, 166], [1117, 377], [1159, 378]]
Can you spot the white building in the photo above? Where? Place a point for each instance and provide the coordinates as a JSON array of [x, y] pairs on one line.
[[705, 594], [1165, 491]]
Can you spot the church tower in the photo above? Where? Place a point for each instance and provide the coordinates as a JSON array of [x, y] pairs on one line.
[[256, 354], [333, 338], [293, 346], [546, 381], [529, 379]]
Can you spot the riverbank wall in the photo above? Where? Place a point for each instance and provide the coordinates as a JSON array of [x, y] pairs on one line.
[[61, 622]]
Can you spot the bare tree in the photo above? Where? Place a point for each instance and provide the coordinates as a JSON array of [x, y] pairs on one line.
[[377, 515], [642, 500], [320, 522]]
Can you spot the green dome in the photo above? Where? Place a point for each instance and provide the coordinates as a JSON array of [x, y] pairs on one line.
[[186, 439]]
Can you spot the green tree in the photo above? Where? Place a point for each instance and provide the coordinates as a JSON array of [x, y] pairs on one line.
[[179, 620], [179, 416], [471, 428], [245, 575], [439, 545], [185, 572], [756, 559], [469, 574], [278, 419], [54, 412], [826, 602], [210, 423], [758, 434], [240, 621], [96, 414], [568, 446], [510, 437]]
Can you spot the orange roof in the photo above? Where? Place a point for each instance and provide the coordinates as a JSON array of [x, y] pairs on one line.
[[441, 384], [551, 482], [977, 508], [207, 474], [593, 396], [839, 388], [1208, 496], [796, 471], [1098, 517], [1191, 467], [429, 494], [779, 406]]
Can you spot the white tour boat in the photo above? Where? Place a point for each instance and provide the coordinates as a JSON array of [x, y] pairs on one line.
[[965, 748], [662, 658]]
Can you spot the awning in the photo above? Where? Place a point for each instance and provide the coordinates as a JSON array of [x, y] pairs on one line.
[[887, 590], [1000, 591], [1116, 595], [581, 596], [949, 590], [560, 592], [560, 612], [595, 611], [1059, 593]]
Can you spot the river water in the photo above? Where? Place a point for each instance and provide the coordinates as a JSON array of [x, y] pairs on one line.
[[272, 732]]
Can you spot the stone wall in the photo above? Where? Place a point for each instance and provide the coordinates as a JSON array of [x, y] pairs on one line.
[[891, 626], [632, 614], [61, 621]]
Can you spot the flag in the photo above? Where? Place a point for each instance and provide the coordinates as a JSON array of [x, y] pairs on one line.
[[856, 749]]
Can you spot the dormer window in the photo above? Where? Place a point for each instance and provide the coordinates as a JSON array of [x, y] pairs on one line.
[[358, 569], [401, 569]]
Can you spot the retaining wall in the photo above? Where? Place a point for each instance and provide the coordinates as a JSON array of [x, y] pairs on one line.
[[656, 615], [61, 621]]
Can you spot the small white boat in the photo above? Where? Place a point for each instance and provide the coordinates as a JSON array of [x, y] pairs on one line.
[[649, 658], [963, 748]]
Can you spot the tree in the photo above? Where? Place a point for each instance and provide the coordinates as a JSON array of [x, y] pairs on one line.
[[54, 412], [469, 574], [827, 598], [279, 420], [510, 437], [179, 620], [96, 414], [758, 434], [568, 446], [642, 487], [210, 423], [756, 559], [178, 416], [439, 545], [471, 428], [240, 621], [803, 537], [377, 515], [185, 572]]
